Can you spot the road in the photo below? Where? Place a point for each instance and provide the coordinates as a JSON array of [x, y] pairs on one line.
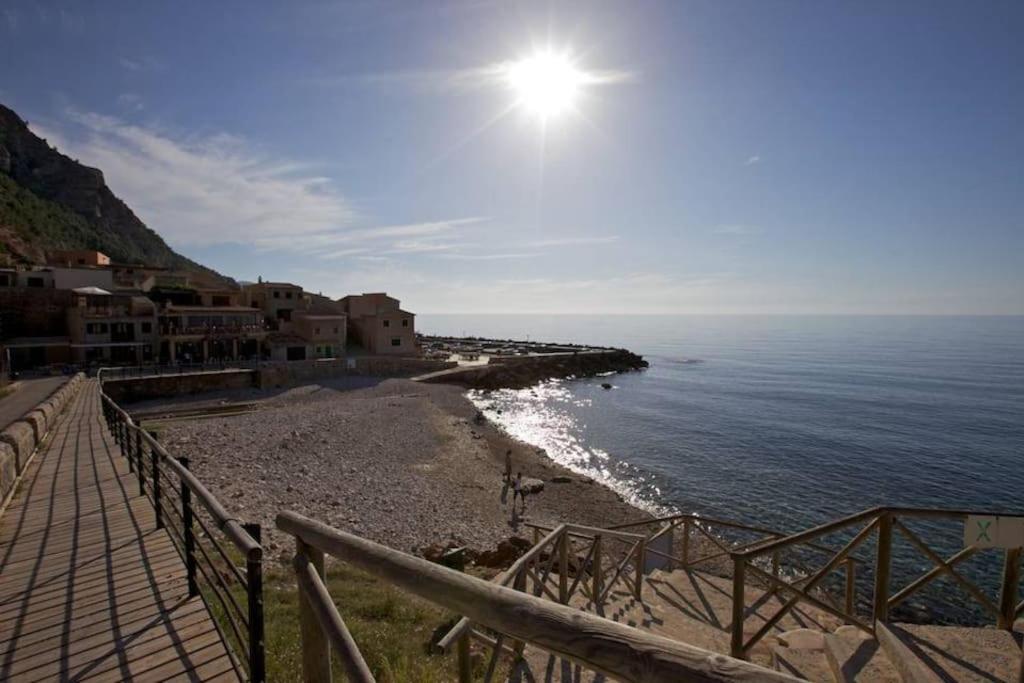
[[31, 393]]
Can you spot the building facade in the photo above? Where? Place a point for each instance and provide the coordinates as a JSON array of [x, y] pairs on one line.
[[378, 324]]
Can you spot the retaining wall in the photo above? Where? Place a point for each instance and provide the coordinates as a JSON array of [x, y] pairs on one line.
[[162, 386], [21, 438]]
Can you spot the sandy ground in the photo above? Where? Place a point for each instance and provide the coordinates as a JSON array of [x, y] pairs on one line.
[[398, 462]]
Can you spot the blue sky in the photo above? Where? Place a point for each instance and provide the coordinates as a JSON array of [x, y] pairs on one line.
[[729, 157]]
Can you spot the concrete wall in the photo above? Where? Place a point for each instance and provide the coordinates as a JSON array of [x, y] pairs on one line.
[[143, 388], [21, 438], [284, 374]]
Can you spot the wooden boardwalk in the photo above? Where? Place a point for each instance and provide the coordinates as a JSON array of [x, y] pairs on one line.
[[89, 588]]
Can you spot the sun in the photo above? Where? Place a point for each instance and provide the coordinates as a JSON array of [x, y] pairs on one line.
[[546, 83]]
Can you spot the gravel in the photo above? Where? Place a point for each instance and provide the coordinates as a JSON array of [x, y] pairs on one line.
[[400, 463]]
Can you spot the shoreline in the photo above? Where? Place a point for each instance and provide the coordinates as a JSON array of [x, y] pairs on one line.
[[401, 463]]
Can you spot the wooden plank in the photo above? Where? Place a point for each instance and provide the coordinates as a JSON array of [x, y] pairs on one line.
[[89, 589], [908, 664]]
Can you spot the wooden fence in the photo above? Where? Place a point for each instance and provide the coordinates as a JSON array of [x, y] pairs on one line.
[[520, 618]]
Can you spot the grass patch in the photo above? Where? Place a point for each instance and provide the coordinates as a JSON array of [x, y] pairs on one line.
[[394, 630]]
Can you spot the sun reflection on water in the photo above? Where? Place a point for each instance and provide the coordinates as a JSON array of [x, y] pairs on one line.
[[550, 416]]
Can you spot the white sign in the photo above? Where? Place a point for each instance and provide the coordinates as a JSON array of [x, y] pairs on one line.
[[990, 531]]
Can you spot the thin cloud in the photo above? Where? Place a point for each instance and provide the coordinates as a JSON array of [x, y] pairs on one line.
[[752, 160], [456, 80], [737, 229], [404, 238], [200, 191], [131, 101], [140, 63], [573, 241]]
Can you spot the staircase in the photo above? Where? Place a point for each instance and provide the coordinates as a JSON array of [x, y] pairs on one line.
[[696, 608]]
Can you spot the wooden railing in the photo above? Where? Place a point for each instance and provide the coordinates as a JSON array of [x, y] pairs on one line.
[[228, 578], [518, 617], [569, 559], [887, 529]]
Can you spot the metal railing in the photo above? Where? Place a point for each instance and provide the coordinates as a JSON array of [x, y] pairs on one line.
[[228, 577], [519, 618], [160, 369]]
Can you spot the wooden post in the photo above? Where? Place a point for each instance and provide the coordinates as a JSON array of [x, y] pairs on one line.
[[1008, 592], [883, 564], [316, 654], [851, 587], [563, 568], [536, 535], [686, 544], [776, 568], [739, 569], [154, 462], [254, 596], [190, 539], [464, 661], [132, 456], [639, 579], [595, 573]]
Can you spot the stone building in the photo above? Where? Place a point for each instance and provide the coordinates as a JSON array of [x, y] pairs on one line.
[[378, 324]]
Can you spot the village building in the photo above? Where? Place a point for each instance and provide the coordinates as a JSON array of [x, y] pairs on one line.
[[112, 328], [379, 325]]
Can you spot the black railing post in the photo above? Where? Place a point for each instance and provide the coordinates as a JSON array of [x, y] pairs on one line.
[[140, 470], [190, 540], [154, 460], [138, 447], [254, 588]]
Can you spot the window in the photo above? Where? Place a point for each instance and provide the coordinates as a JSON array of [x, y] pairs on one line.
[[284, 314], [287, 295], [387, 323], [96, 328], [221, 300], [147, 328], [405, 322], [277, 294], [396, 341], [335, 330], [81, 261], [35, 282]]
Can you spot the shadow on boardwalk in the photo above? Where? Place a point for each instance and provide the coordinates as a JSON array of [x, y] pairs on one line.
[[89, 588]]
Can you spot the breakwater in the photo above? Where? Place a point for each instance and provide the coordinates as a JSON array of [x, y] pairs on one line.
[[521, 371]]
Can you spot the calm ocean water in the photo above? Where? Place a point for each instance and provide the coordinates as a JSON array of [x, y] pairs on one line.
[[782, 421]]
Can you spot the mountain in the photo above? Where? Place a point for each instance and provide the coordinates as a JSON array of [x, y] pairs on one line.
[[49, 201]]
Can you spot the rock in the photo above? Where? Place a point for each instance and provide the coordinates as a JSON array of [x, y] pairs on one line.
[[606, 386], [561, 479], [532, 486], [507, 552]]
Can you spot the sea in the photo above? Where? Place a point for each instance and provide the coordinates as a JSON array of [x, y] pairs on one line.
[[786, 422]]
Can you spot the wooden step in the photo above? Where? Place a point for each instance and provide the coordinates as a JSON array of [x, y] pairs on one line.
[[934, 654], [801, 653], [856, 657]]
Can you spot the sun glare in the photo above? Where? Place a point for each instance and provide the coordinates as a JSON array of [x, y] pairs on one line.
[[546, 84]]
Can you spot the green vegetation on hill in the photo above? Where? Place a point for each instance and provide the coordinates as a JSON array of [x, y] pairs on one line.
[[49, 201], [29, 224]]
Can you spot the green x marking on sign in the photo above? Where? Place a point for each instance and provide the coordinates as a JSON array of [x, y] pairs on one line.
[[983, 531]]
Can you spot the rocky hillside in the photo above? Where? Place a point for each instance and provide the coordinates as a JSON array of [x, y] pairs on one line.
[[49, 201]]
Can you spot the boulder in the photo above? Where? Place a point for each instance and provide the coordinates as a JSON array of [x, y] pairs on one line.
[[8, 469], [532, 486], [22, 439], [37, 419], [561, 479], [507, 552]]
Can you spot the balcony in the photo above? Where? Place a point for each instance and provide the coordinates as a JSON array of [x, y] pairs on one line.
[[211, 330]]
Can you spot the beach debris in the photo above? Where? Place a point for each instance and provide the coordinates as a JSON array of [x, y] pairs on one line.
[[561, 479], [606, 386]]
